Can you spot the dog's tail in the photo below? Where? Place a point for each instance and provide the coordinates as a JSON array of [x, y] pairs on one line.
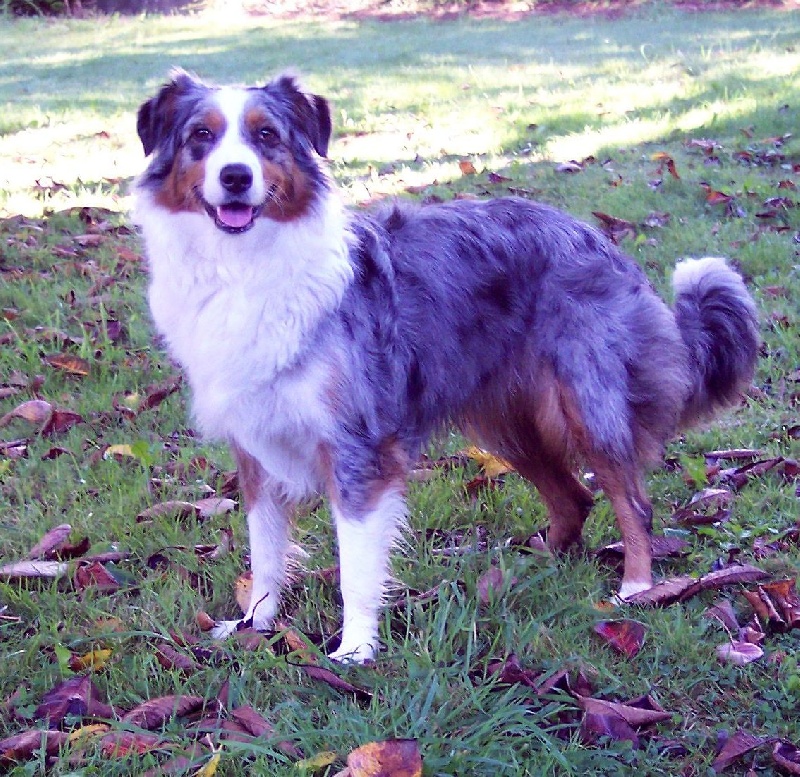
[[718, 322]]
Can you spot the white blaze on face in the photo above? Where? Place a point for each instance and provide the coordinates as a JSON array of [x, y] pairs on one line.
[[232, 149]]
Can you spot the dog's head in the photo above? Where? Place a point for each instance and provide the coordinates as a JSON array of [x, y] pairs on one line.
[[235, 154]]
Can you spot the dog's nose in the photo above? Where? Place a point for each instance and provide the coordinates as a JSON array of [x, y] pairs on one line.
[[236, 178]]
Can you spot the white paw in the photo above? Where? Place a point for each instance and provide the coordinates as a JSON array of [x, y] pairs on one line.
[[353, 655], [223, 629], [631, 588]]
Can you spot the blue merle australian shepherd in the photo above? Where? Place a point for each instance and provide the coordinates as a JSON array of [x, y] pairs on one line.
[[325, 346]]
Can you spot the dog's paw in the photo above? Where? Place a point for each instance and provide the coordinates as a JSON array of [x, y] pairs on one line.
[[628, 590], [223, 629], [353, 655]]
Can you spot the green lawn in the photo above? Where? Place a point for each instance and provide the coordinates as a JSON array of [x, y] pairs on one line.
[[426, 110]]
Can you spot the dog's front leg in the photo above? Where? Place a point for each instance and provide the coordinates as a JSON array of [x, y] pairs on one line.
[[268, 514], [365, 540]]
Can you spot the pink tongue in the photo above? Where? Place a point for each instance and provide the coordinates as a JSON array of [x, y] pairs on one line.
[[236, 217]]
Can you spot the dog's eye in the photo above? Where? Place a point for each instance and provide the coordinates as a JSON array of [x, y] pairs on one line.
[[268, 136], [202, 134]]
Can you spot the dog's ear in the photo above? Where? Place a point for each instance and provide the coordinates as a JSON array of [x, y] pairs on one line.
[[310, 111], [322, 121], [156, 117]]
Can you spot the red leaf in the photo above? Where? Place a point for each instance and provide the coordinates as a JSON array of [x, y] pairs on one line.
[[61, 421], [334, 681], [625, 636], [94, 575], [25, 745]]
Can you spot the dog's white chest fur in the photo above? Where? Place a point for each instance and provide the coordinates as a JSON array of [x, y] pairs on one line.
[[237, 312]]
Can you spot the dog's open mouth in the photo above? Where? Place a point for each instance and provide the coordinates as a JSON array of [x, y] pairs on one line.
[[233, 217]]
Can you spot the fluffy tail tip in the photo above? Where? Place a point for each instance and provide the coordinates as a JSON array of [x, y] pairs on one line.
[[718, 321]]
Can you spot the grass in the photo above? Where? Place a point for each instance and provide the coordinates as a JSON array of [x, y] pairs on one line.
[[413, 100]]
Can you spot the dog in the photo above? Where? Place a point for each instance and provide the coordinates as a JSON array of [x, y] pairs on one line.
[[325, 346]]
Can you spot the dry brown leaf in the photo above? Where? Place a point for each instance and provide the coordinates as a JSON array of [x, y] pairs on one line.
[[394, 757], [633, 715], [174, 508], [25, 745], [734, 748], [787, 756], [33, 569], [34, 411], [122, 744], [50, 540], [738, 653], [69, 363], [154, 713]]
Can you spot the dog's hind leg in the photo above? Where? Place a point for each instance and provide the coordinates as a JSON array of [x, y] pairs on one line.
[[625, 490], [567, 500], [268, 525]]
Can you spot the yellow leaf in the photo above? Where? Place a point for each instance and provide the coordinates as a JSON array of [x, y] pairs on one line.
[[94, 660], [243, 589], [209, 769], [492, 465], [316, 762], [85, 732], [119, 450]]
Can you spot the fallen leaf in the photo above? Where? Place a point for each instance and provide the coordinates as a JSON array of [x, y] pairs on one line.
[[259, 726], [615, 228], [69, 363], [569, 167], [615, 728], [94, 660], [511, 672], [632, 714], [243, 589], [34, 411], [625, 636], [466, 167], [331, 679], [34, 569], [787, 756], [173, 509], [27, 744], [734, 748], [209, 769], [122, 744], [76, 696], [154, 713], [490, 584], [738, 653], [493, 466], [50, 540], [60, 421], [93, 574], [214, 505], [170, 658], [392, 758], [316, 763]]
